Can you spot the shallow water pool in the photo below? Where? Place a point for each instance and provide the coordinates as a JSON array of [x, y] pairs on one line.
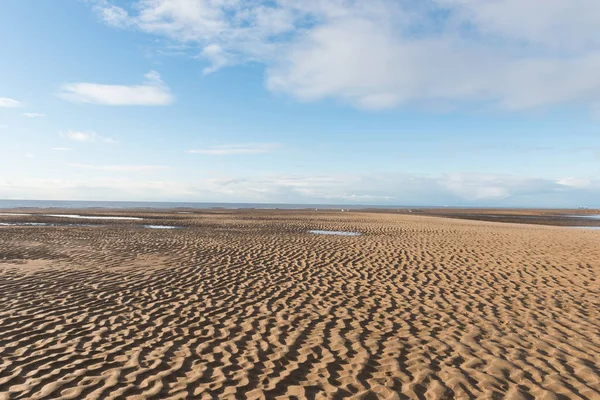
[[14, 214], [160, 227], [24, 224], [41, 224], [76, 216], [338, 233], [586, 216]]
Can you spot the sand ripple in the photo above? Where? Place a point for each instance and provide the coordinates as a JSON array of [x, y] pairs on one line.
[[245, 305]]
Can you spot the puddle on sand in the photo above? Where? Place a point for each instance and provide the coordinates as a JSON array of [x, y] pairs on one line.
[[593, 216], [40, 224], [23, 224], [338, 233], [14, 214], [76, 216], [80, 225], [160, 226]]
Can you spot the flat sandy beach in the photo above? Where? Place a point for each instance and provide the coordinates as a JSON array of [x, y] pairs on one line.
[[249, 304]]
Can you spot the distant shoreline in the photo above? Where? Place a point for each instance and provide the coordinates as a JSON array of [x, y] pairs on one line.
[[551, 217]]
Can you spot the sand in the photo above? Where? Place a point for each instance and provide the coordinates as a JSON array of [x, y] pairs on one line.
[[554, 217], [250, 305]]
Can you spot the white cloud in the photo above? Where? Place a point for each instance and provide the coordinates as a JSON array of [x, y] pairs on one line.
[[123, 168], [61, 149], [9, 103], [153, 92], [385, 53], [33, 115], [80, 136], [231, 149], [29, 155]]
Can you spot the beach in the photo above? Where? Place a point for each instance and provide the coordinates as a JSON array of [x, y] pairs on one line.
[[252, 304]]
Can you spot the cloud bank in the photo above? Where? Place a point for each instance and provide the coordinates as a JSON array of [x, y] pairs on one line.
[[383, 189], [386, 53]]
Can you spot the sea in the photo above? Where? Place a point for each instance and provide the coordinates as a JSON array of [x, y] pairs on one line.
[[77, 204], [89, 204]]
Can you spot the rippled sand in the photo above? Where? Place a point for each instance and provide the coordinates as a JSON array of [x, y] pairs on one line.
[[251, 305]]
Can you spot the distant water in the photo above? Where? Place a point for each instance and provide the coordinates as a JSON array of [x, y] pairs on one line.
[[7, 204]]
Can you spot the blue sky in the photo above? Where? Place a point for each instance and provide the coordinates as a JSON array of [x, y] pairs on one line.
[[446, 102]]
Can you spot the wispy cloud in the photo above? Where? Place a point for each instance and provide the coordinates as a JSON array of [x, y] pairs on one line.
[[80, 136], [9, 103], [112, 15], [153, 92], [124, 168], [33, 115], [231, 149], [388, 53], [61, 149], [29, 155]]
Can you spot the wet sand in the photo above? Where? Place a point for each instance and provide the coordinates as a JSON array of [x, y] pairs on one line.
[[553, 217], [249, 304]]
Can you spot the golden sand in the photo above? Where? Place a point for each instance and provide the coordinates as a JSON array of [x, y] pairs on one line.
[[250, 305]]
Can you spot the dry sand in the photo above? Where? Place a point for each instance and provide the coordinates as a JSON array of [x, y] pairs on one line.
[[250, 305]]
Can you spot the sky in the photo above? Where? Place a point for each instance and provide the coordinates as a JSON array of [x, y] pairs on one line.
[[383, 102]]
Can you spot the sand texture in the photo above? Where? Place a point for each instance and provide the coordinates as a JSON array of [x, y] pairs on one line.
[[249, 305]]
